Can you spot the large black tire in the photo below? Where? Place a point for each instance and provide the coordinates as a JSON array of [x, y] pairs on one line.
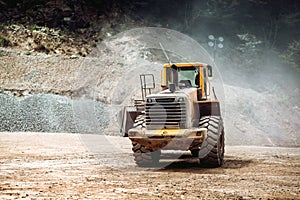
[[139, 122], [143, 156], [211, 153]]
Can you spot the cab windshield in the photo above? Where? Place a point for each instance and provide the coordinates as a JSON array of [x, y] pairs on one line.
[[183, 76]]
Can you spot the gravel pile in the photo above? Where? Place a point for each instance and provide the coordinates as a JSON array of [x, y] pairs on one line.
[[52, 113]]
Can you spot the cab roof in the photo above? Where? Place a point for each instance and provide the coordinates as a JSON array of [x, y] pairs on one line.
[[185, 64]]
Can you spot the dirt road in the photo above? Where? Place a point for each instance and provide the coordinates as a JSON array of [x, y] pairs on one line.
[[74, 166]]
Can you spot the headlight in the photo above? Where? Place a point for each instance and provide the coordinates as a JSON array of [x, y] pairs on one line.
[[180, 99], [149, 100]]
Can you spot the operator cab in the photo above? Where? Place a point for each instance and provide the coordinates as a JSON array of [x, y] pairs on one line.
[[187, 75]]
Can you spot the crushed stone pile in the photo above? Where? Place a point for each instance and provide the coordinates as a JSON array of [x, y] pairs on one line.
[[52, 113]]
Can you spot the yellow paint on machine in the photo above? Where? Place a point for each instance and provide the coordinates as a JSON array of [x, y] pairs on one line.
[[202, 81], [184, 64], [166, 132]]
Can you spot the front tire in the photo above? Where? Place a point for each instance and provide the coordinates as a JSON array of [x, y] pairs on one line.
[[211, 153], [144, 156]]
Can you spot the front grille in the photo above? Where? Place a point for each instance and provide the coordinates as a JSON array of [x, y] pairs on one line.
[[165, 113], [165, 100]]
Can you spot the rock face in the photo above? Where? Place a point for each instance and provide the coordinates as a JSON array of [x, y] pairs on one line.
[[72, 15], [63, 27]]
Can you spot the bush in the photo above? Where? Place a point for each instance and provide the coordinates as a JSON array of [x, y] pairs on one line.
[[4, 41], [292, 54]]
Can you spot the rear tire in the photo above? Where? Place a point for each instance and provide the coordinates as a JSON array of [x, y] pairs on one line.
[[211, 153], [139, 122]]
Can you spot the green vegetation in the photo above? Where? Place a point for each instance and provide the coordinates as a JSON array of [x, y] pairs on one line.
[[4, 41], [292, 55], [251, 28]]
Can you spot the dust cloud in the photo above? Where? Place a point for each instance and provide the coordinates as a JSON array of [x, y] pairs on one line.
[[260, 106]]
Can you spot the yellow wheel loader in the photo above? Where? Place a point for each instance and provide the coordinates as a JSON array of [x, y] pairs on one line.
[[184, 115]]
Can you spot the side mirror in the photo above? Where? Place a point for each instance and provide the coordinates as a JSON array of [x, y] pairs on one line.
[[209, 69], [172, 87]]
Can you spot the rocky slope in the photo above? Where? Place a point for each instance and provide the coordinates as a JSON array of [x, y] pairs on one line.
[[110, 74]]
